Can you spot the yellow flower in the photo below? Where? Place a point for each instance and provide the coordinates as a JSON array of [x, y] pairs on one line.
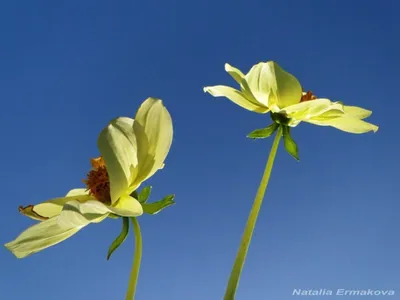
[[131, 150], [268, 88]]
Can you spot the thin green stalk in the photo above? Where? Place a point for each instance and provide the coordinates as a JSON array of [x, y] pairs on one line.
[[130, 294], [251, 222]]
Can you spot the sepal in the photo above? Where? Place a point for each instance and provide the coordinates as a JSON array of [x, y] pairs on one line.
[[144, 194], [263, 133], [156, 207], [120, 238], [290, 144]]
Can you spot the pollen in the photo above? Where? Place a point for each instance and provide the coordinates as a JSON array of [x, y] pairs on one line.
[[97, 162], [308, 97], [97, 182]]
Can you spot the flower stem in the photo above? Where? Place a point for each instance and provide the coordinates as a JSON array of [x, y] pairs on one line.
[[251, 222], [130, 294]]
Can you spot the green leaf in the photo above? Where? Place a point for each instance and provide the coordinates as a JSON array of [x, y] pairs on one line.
[[289, 143], [156, 207], [144, 194], [263, 132], [121, 238]]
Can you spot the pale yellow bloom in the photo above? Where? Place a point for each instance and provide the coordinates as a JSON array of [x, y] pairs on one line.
[[269, 88], [131, 150]]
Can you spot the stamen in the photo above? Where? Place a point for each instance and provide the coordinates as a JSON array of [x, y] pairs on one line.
[[308, 97], [97, 162], [97, 181]]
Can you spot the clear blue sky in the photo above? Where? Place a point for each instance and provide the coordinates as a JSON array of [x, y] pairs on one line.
[[330, 221]]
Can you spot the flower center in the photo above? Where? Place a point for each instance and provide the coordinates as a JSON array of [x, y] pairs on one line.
[[97, 182], [308, 97]]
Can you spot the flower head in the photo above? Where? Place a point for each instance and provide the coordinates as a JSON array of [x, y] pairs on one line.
[[131, 150], [269, 88]]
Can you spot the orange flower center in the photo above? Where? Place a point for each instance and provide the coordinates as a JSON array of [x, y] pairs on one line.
[[97, 182], [308, 97]]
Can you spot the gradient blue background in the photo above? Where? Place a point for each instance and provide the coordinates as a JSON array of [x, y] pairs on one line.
[[330, 221]]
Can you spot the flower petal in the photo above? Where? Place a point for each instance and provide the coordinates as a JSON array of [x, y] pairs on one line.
[[53, 207], [39, 237], [236, 97], [154, 132], [271, 85], [357, 112], [127, 206], [235, 73], [348, 124], [77, 192], [117, 144], [310, 109], [78, 214], [74, 216], [246, 91]]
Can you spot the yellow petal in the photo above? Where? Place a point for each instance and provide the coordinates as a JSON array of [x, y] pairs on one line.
[[270, 85], [235, 73], [347, 124], [357, 112], [118, 146], [310, 109], [53, 207], [31, 213], [127, 206], [154, 132], [74, 216], [77, 192], [39, 237], [236, 97], [247, 93], [352, 125], [78, 214]]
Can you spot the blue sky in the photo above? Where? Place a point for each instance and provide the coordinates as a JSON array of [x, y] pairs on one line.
[[330, 221]]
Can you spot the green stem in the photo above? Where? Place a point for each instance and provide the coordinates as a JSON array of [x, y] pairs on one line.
[[251, 222], [130, 294]]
